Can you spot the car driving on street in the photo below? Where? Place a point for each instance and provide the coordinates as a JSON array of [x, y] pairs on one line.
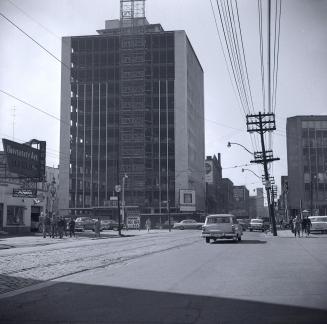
[[318, 224], [256, 224], [188, 224], [221, 226]]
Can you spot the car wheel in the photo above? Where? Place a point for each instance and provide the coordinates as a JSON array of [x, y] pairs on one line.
[[181, 228], [263, 230], [239, 238], [251, 229], [207, 239]]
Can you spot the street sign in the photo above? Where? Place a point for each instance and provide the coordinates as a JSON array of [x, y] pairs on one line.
[[117, 188], [24, 193]]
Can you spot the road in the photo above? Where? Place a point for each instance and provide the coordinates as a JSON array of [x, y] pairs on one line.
[[162, 277]]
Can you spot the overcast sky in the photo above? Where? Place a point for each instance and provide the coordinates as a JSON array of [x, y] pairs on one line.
[[28, 72]]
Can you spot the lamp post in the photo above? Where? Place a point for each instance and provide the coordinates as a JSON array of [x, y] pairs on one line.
[[118, 189], [123, 198], [52, 193]]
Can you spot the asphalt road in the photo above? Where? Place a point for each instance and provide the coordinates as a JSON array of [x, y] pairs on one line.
[[261, 279]]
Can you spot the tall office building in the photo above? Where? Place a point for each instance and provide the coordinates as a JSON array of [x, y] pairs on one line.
[[307, 163], [132, 96]]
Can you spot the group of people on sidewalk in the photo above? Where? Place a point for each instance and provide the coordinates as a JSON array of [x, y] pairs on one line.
[[299, 225], [55, 226]]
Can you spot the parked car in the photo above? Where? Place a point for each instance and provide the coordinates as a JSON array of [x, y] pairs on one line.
[[256, 224], [221, 226], [84, 223], [110, 224], [188, 224], [319, 224]]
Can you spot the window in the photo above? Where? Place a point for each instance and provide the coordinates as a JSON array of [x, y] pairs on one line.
[[15, 215]]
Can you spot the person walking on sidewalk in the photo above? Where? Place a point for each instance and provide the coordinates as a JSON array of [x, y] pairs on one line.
[[308, 226], [304, 225], [71, 225], [148, 224], [97, 226], [297, 225]]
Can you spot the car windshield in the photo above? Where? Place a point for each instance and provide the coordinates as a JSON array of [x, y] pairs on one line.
[[218, 220], [254, 221], [319, 219]]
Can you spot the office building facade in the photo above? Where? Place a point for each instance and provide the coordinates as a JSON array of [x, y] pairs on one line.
[[132, 97], [307, 164]]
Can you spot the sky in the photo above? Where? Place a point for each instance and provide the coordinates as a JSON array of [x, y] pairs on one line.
[[32, 75]]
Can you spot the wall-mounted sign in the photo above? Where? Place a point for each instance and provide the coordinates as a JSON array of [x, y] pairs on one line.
[[187, 200], [24, 193]]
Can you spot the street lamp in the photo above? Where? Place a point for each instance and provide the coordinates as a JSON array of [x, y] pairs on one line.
[[229, 144], [123, 199], [251, 172]]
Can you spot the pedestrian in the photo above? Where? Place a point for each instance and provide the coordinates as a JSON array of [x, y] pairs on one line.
[[281, 224], [61, 225], [97, 226], [297, 225], [309, 224], [54, 225], [304, 225], [65, 225], [148, 224], [71, 225]]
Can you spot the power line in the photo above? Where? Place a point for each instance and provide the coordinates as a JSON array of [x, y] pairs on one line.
[[33, 107], [36, 42]]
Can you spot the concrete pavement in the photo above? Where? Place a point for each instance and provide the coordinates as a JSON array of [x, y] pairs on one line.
[[261, 279]]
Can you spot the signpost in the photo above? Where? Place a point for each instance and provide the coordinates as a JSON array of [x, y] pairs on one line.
[[118, 189]]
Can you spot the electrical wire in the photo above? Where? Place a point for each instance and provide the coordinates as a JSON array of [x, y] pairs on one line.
[[35, 41]]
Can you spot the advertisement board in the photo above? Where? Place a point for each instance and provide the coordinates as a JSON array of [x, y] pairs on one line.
[[187, 200], [209, 171], [25, 160]]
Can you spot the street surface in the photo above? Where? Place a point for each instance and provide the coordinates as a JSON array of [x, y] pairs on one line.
[[162, 277]]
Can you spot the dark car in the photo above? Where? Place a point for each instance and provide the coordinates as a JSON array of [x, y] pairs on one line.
[[84, 223]]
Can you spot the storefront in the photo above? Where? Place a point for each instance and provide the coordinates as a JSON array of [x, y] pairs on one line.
[[19, 215]]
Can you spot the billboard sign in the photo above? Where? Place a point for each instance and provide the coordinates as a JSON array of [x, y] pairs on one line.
[[209, 171], [187, 200], [25, 160]]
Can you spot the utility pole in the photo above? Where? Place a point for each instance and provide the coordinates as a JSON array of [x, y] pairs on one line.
[[262, 123]]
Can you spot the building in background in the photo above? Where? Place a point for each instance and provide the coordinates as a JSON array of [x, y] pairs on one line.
[[257, 207], [133, 100], [241, 202], [213, 184], [227, 196], [307, 164]]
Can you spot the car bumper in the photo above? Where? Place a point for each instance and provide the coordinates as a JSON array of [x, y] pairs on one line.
[[220, 235]]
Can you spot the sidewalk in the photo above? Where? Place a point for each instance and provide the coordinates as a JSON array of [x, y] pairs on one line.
[[289, 234], [36, 239]]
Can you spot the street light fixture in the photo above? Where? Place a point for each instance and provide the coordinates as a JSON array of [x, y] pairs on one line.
[[251, 172], [229, 144]]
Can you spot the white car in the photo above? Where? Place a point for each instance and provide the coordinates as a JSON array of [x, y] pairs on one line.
[[221, 226], [188, 224], [318, 224]]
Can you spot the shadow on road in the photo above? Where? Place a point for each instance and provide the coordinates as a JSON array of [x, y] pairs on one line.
[[240, 242], [81, 303]]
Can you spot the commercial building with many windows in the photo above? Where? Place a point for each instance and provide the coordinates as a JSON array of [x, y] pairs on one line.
[[132, 97], [307, 164]]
